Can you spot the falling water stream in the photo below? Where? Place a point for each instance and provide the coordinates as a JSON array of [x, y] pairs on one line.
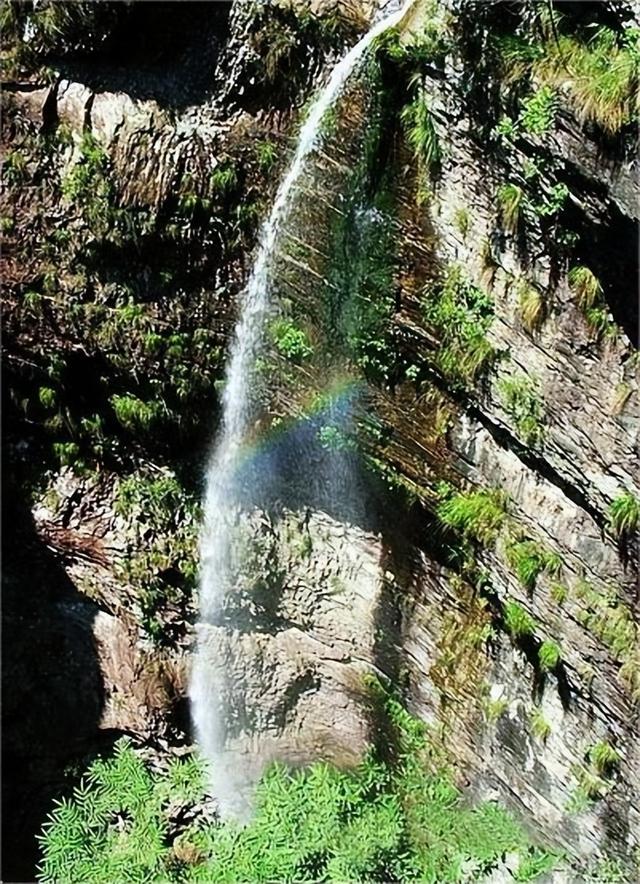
[[223, 480]]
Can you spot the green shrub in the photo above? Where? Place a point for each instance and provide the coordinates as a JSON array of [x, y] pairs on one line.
[[518, 621], [47, 397], [559, 593], [536, 863], [538, 111], [623, 514], [521, 402], [381, 821], [224, 178], [291, 342], [267, 155], [135, 414], [461, 314], [477, 514], [529, 559], [548, 655], [510, 204]]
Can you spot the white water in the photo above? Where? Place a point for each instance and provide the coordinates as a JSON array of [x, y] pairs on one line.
[[222, 491]]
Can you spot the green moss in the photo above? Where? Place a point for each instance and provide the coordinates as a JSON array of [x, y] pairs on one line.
[[476, 514]]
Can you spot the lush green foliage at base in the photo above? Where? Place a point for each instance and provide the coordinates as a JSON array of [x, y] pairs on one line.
[[396, 817]]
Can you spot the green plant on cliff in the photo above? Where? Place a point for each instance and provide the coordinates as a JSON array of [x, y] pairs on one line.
[[549, 655], [461, 314], [521, 402], [624, 513], [600, 74], [540, 727], [532, 305], [290, 341], [421, 134], [510, 199], [604, 758], [597, 70], [88, 185], [529, 559], [518, 621], [477, 514], [395, 816], [586, 287], [538, 111]]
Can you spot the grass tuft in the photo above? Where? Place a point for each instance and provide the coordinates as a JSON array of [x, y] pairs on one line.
[[624, 513], [548, 655], [510, 202], [586, 287], [476, 514], [518, 621], [532, 305]]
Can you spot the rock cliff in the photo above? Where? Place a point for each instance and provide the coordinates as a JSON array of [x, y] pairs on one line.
[[463, 261]]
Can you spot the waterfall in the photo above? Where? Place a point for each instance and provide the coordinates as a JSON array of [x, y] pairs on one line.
[[222, 497]]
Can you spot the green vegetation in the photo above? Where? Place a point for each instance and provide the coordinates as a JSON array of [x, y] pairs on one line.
[[597, 70], [586, 287], [540, 727], [494, 709], [136, 415], [510, 203], [529, 559], [604, 758], [536, 863], [384, 820], [88, 184], [476, 514], [537, 115], [518, 621], [267, 155], [522, 403], [461, 314], [162, 563], [291, 342], [538, 111], [624, 513], [613, 623], [559, 593], [462, 220], [532, 305], [224, 178], [601, 75], [421, 134], [548, 655]]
